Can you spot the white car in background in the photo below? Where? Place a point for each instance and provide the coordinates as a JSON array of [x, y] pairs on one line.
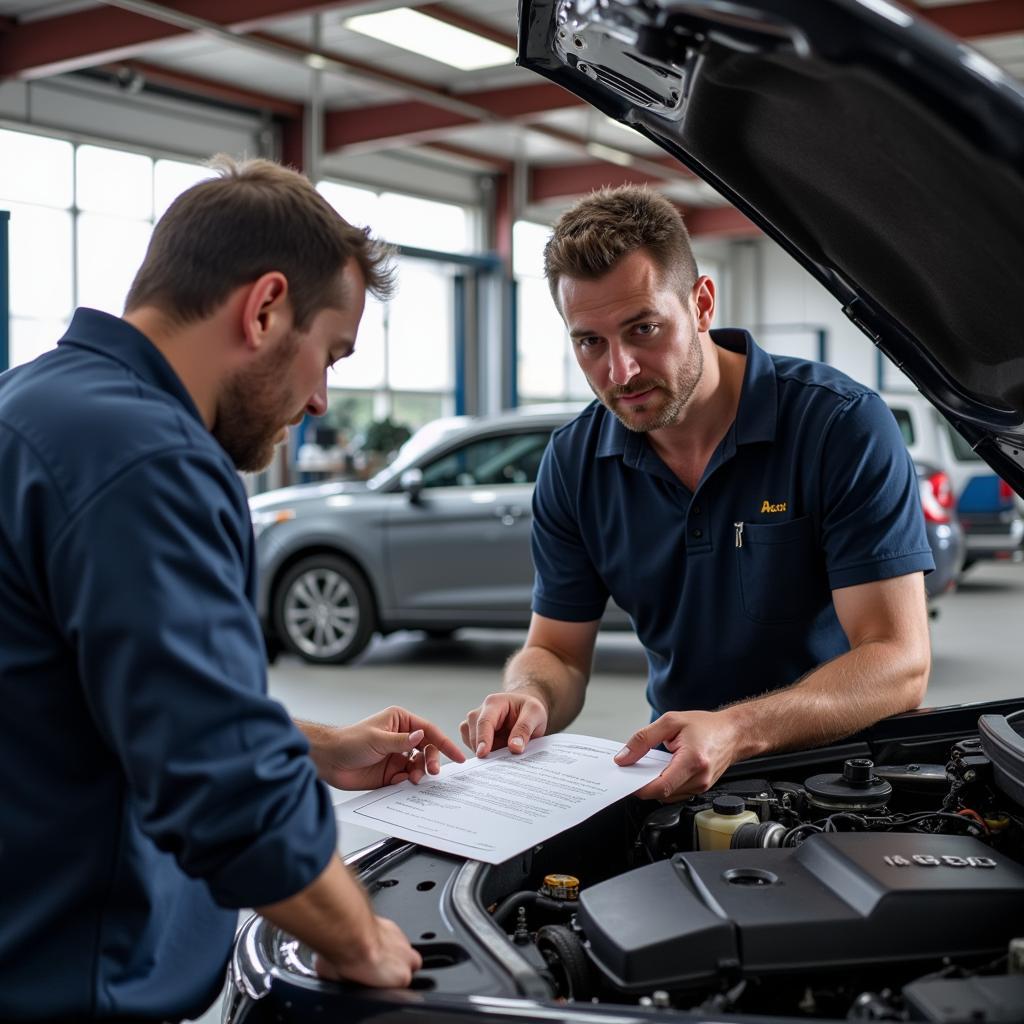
[[988, 509]]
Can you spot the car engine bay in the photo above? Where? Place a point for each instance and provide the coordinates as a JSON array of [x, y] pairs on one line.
[[871, 892], [878, 879]]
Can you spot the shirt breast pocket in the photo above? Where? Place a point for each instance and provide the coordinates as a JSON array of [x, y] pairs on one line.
[[780, 574]]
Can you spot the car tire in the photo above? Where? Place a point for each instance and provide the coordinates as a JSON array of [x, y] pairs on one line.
[[323, 610]]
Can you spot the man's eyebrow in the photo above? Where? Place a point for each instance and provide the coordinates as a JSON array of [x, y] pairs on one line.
[[643, 314]]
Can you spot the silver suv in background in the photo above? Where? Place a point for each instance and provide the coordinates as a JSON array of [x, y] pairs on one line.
[[988, 510], [438, 540]]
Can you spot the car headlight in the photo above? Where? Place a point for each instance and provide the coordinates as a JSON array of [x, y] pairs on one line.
[[261, 520]]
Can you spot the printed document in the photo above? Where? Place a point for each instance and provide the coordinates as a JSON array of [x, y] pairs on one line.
[[494, 808]]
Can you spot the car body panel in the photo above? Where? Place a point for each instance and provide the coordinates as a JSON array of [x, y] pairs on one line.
[[453, 552], [459, 548]]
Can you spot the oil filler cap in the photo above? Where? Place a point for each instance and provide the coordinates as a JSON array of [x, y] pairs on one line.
[[727, 804], [857, 771], [561, 887]]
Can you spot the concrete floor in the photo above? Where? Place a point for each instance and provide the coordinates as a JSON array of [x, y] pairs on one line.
[[976, 655]]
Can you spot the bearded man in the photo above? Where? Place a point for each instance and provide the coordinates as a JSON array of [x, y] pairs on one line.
[[757, 516], [151, 788]]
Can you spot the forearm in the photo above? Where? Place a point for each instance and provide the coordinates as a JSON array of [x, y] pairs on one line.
[[855, 690], [557, 683], [332, 915], [320, 739]]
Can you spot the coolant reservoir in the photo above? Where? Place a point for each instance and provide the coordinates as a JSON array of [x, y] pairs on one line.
[[716, 825]]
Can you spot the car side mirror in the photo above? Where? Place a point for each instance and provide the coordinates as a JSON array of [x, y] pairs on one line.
[[412, 483]]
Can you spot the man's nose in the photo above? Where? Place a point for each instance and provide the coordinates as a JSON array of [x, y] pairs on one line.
[[622, 367], [317, 404]]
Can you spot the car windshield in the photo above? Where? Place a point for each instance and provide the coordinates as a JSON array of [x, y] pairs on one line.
[[424, 438]]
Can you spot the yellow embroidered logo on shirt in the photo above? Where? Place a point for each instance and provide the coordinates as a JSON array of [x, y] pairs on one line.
[[767, 506]]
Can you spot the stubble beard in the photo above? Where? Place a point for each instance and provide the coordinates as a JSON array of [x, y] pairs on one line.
[[254, 407], [677, 394]]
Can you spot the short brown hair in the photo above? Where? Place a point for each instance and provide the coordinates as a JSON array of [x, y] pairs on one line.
[[603, 227], [255, 217]]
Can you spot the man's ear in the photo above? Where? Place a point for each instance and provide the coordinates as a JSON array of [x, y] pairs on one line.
[[266, 309], [704, 300]]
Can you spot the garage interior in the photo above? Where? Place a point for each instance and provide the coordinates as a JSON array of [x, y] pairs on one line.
[[108, 110]]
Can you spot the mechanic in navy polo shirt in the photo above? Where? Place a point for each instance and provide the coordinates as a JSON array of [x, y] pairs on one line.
[[150, 786], [757, 516]]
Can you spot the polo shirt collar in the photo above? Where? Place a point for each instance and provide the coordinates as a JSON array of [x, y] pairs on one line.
[[755, 417], [759, 397], [114, 338]]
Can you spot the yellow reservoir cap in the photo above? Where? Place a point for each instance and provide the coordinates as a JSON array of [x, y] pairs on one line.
[[561, 887]]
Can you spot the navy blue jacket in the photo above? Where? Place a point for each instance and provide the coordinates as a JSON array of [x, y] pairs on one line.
[[150, 787], [730, 587]]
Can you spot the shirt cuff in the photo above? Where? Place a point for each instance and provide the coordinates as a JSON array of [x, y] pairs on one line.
[[568, 612], [282, 861], [871, 572]]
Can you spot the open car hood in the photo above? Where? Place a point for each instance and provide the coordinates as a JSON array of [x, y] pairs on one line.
[[884, 155]]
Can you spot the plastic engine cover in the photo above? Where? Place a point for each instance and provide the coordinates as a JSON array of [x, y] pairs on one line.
[[834, 902]]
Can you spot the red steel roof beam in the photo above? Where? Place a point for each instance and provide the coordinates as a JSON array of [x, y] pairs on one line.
[[567, 180], [489, 160], [983, 18], [718, 222], [410, 122], [207, 88], [97, 35]]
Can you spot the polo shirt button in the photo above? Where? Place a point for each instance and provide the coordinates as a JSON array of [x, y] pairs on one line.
[[698, 533], [696, 510]]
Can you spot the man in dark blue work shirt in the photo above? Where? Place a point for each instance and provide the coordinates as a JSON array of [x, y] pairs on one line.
[[758, 518], [150, 787]]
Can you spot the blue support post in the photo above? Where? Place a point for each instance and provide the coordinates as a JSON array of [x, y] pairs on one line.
[[459, 283], [5, 294], [512, 345]]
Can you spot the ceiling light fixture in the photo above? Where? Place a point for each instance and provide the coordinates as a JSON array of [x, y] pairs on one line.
[[613, 156], [428, 37]]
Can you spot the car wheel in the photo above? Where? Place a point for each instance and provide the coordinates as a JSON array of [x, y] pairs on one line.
[[323, 610]]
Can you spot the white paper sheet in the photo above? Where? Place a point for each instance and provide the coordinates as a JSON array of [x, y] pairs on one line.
[[492, 809]]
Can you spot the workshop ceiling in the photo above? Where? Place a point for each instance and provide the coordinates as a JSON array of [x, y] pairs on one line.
[[374, 97]]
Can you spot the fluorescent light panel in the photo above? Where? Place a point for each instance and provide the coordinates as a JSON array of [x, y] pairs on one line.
[[610, 153], [431, 38]]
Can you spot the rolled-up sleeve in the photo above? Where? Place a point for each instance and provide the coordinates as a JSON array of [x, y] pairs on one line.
[[149, 583]]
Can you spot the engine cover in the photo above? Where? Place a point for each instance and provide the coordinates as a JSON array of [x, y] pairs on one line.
[[835, 902]]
